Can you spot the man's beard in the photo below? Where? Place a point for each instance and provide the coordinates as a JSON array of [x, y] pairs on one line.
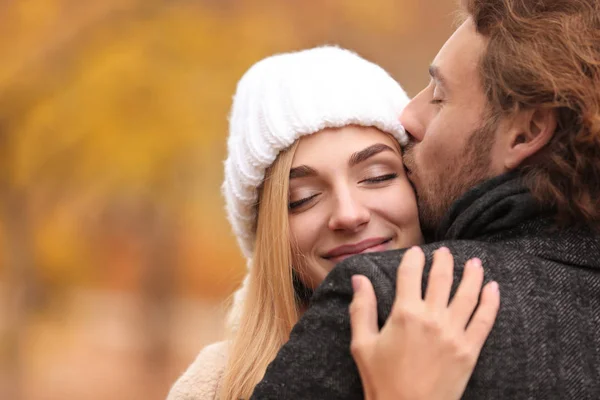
[[458, 175]]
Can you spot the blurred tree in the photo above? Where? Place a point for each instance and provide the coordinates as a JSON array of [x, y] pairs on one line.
[[112, 136], [114, 110]]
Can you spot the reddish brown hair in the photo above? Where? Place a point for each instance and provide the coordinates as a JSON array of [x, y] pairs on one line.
[[546, 54]]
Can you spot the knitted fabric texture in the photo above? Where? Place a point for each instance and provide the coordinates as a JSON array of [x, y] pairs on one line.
[[545, 343], [287, 96]]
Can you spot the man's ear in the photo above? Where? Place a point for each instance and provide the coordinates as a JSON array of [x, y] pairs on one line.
[[531, 131]]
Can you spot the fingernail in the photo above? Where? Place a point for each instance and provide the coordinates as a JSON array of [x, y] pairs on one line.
[[444, 249], [412, 251], [355, 283], [494, 287], [476, 262]]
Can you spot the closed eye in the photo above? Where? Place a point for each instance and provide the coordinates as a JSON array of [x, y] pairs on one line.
[[295, 204], [381, 178], [437, 95]]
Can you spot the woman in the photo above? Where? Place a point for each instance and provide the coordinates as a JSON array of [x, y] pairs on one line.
[[314, 174]]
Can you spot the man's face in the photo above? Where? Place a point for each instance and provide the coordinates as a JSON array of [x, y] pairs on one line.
[[451, 135]]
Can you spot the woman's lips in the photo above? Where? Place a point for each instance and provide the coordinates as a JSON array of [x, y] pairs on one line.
[[349, 251]]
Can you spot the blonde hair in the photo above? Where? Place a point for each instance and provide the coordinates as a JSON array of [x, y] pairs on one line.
[[271, 307]]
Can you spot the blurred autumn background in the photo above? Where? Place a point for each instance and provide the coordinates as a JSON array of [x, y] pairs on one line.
[[116, 260]]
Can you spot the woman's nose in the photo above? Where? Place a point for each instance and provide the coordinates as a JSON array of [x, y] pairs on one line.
[[348, 213]]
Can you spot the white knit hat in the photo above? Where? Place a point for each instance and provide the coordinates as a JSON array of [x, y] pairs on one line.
[[287, 96]]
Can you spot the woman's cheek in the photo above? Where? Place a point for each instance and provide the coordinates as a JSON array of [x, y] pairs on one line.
[[399, 205], [302, 232]]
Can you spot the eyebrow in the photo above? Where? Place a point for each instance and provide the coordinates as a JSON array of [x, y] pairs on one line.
[[367, 153], [436, 75], [303, 171]]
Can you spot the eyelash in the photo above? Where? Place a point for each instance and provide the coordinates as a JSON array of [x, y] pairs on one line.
[[435, 96], [381, 178], [377, 179], [300, 202]]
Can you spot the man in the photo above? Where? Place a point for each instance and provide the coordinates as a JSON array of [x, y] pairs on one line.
[[505, 160]]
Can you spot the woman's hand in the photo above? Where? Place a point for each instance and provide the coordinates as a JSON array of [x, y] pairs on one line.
[[427, 348]]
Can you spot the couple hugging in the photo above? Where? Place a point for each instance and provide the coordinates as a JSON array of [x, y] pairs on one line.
[[438, 247]]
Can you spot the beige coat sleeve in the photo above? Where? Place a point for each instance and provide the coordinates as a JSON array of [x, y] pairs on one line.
[[202, 378]]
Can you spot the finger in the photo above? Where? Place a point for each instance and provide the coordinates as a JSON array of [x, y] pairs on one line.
[[363, 326], [483, 320], [409, 276], [440, 279], [363, 311], [465, 300]]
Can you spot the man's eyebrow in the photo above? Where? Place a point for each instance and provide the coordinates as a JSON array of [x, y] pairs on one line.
[[302, 171], [436, 75], [368, 152]]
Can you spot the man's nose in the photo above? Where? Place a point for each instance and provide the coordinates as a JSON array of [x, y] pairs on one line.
[[412, 119]]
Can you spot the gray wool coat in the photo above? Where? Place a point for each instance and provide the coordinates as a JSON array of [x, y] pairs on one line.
[[545, 343]]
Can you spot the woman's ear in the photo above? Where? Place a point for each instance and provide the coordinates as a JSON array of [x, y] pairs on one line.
[[531, 130]]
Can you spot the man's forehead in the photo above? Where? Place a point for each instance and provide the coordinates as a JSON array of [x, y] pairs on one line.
[[458, 60]]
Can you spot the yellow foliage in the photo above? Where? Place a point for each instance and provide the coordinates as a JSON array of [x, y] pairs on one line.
[[60, 250], [383, 16], [139, 94], [121, 98]]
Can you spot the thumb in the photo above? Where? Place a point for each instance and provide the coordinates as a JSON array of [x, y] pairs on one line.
[[363, 311]]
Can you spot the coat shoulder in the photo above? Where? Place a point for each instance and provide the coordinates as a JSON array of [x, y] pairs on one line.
[[202, 378]]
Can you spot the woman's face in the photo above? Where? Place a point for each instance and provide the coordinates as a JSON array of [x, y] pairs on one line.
[[348, 195]]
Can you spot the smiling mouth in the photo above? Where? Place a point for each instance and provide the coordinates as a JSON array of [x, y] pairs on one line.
[[367, 246]]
